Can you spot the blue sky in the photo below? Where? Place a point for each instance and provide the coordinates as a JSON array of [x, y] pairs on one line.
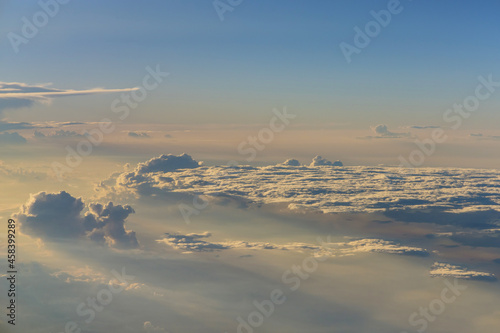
[[264, 55]]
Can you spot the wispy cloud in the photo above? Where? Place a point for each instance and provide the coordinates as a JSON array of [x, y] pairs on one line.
[[14, 95], [447, 270]]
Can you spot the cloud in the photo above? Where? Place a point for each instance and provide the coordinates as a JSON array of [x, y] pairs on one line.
[[481, 136], [21, 174], [191, 242], [423, 127], [13, 138], [382, 132], [60, 216], [15, 95], [291, 162], [320, 161], [167, 163], [58, 134], [6, 126], [447, 270], [381, 246], [138, 134], [149, 327], [199, 243], [463, 197]]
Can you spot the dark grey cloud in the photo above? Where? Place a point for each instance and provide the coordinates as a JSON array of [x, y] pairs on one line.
[[138, 134], [110, 222], [61, 216], [58, 134], [424, 127], [12, 138], [383, 132], [291, 162]]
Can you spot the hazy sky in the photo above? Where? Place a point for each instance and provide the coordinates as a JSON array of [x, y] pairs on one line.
[[209, 148]]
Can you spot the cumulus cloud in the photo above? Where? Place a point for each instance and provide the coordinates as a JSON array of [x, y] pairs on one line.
[[291, 162], [138, 134], [15, 95], [167, 163], [447, 270], [61, 216], [110, 225], [13, 138], [320, 161]]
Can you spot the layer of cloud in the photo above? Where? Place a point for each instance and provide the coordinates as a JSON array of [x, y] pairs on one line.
[[58, 134], [61, 216], [447, 270], [468, 197], [199, 243]]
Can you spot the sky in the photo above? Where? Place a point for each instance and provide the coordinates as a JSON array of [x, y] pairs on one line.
[[264, 55], [250, 166]]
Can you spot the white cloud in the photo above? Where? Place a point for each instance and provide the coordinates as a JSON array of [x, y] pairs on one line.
[[14, 95], [469, 197], [320, 161]]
